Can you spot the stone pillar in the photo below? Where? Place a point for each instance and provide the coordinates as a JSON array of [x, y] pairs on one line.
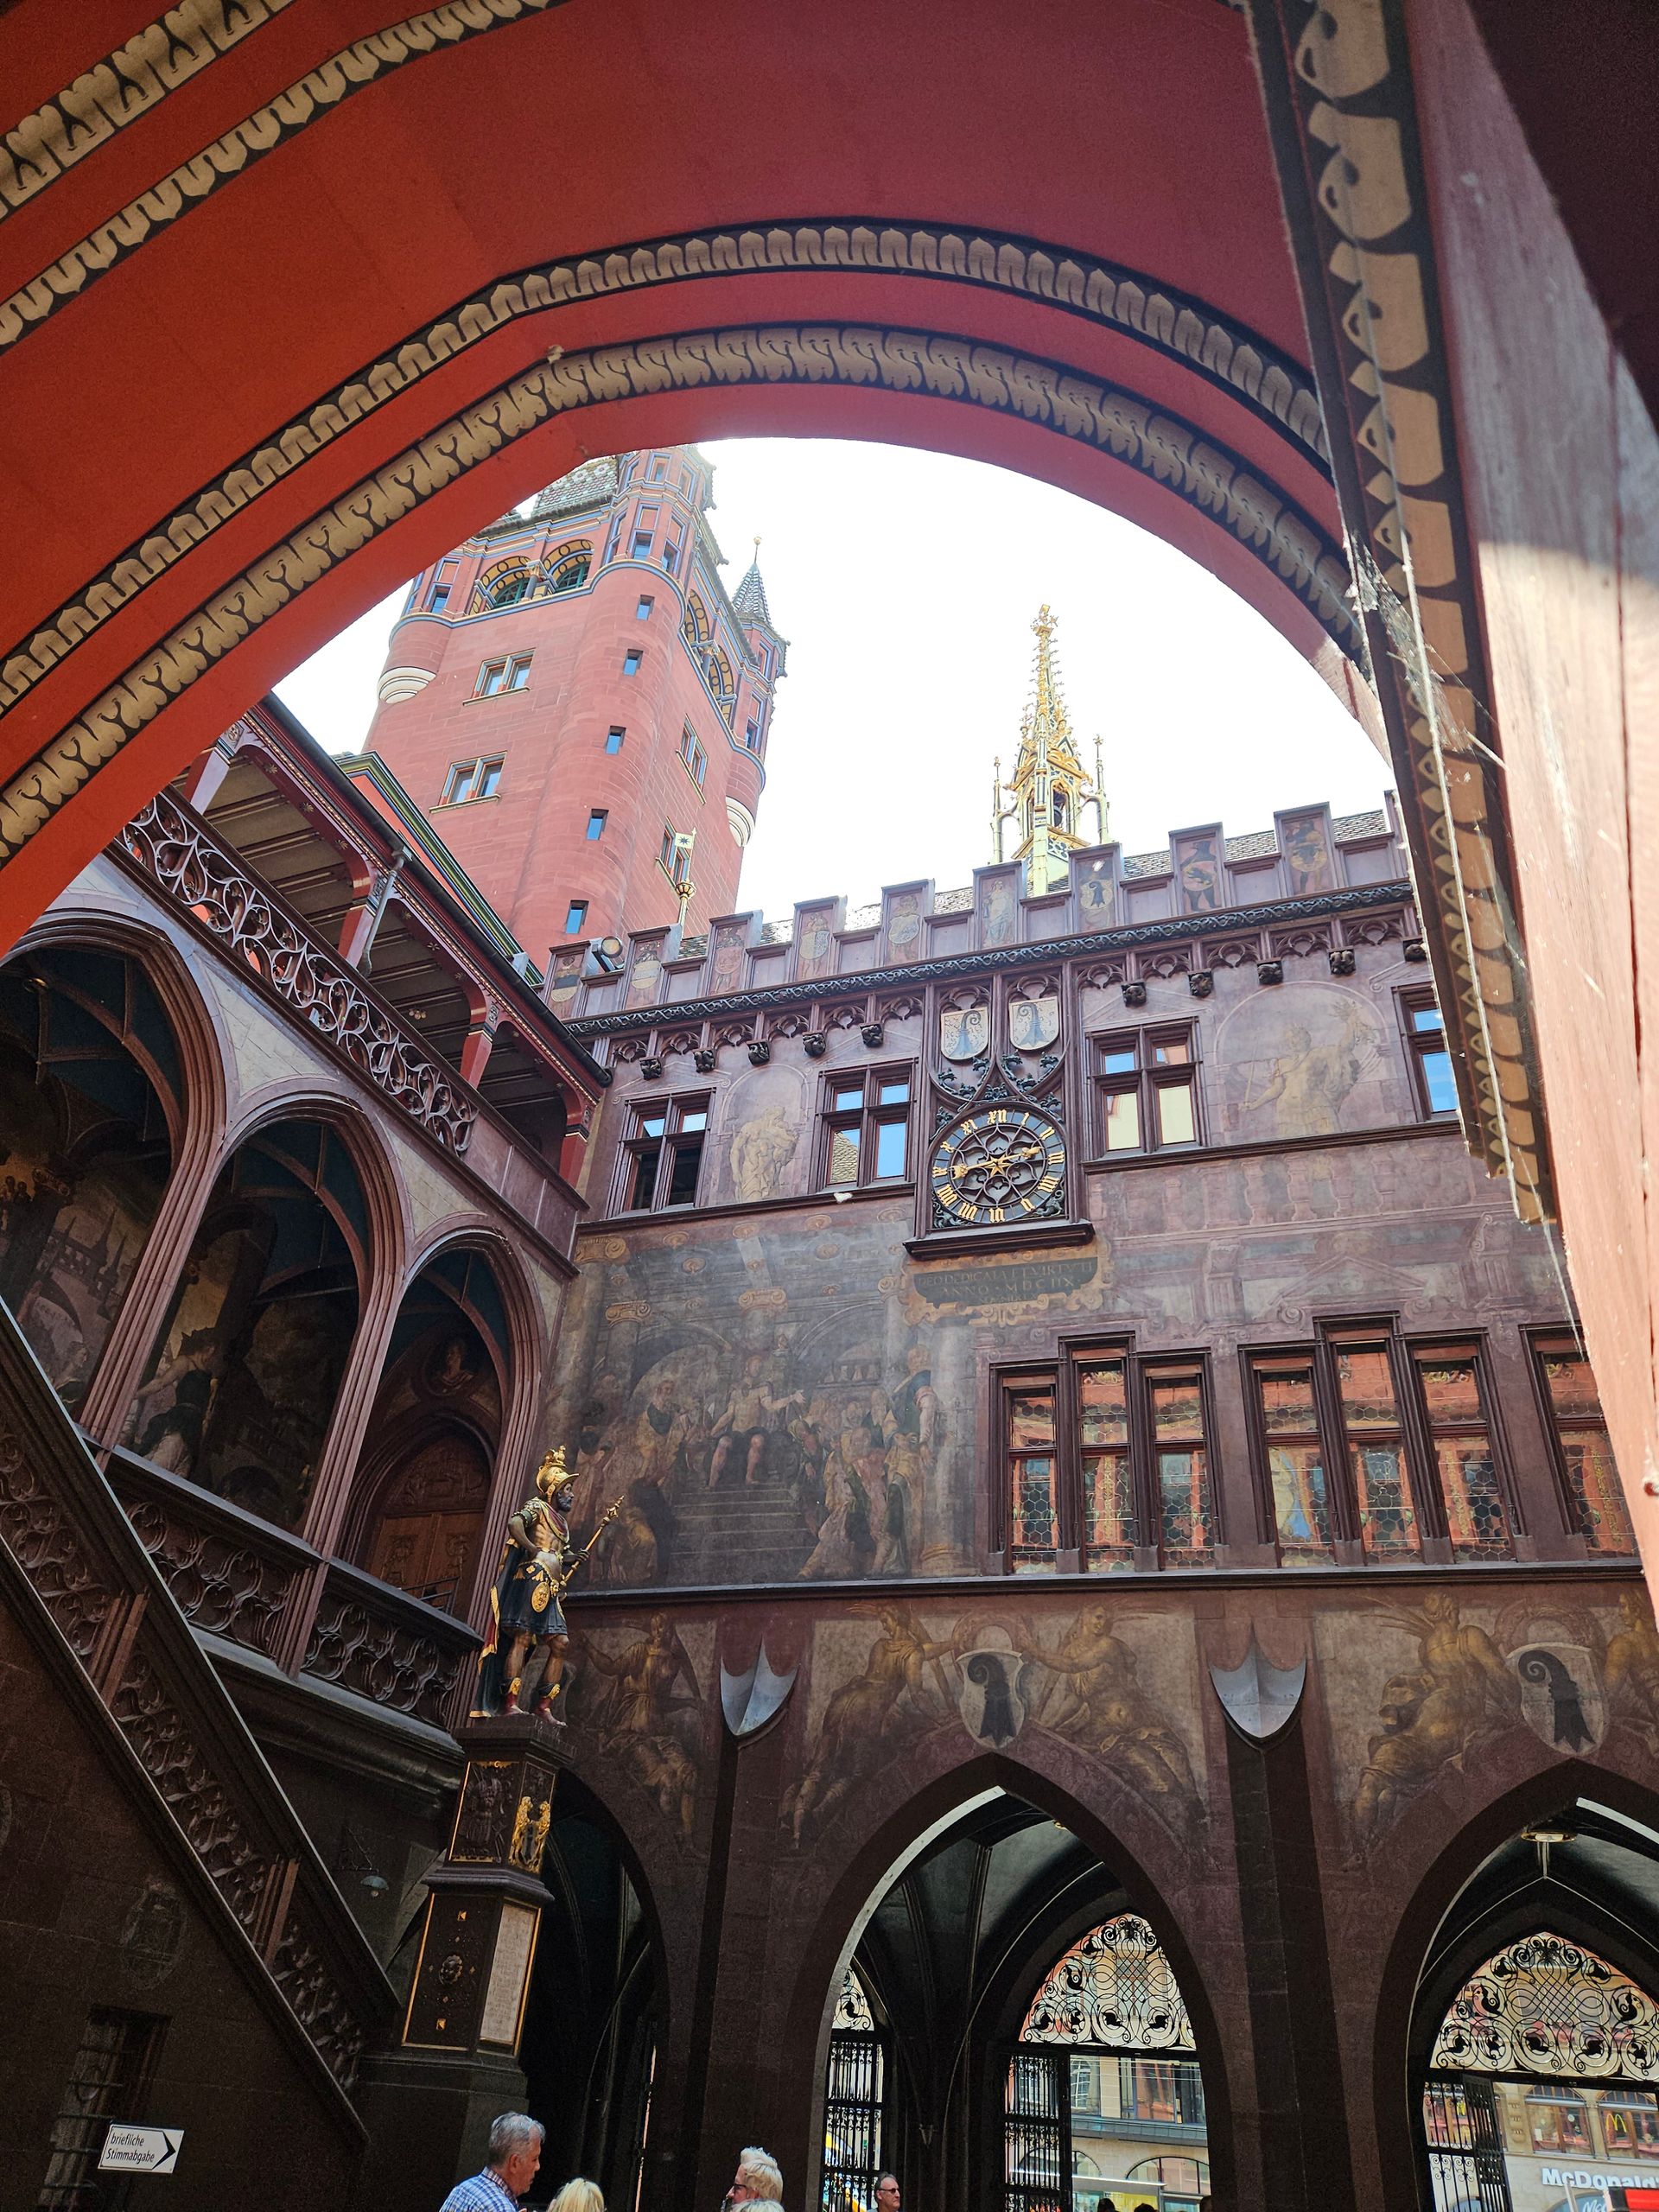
[[430, 2101]]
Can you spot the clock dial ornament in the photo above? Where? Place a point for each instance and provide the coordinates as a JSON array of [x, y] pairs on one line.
[[1001, 1164]]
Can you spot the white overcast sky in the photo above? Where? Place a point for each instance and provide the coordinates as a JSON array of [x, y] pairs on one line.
[[906, 583]]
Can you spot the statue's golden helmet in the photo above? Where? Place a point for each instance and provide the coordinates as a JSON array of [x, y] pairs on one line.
[[554, 1480]]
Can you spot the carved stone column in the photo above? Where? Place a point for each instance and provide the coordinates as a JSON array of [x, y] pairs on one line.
[[434, 2098]]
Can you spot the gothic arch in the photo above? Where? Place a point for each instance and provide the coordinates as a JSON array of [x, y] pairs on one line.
[[1401, 2027], [886, 1845]]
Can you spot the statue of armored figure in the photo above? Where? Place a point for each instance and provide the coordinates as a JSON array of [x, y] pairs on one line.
[[525, 1614]]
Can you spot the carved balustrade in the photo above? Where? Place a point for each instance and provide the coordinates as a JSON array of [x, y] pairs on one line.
[[183, 859], [95, 1598], [232, 1575], [394, 1650]]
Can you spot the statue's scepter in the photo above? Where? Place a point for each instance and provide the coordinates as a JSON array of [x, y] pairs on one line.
[[606, 1519]]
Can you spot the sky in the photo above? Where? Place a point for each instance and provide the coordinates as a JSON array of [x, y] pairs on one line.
[[906, 583]]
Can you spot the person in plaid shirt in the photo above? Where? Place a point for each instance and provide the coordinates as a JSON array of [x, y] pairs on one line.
[[514, 2153]]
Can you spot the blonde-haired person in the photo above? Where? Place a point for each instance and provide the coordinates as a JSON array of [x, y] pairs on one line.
[[759, 2179], [579, 2195]]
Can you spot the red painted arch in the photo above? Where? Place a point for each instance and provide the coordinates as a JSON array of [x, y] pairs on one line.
[[213, 319]]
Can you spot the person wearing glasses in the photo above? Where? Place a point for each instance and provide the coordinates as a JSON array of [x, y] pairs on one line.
[[759, 2179]]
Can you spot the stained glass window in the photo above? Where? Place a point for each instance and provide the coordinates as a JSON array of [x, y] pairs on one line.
[[1389, 1526], [1033, 1503], [1107, 1489], [1295, 1457], [1587, 1455], [1476, 1518], [1180, 1468]]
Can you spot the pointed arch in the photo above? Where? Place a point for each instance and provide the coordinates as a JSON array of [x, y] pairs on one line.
[[1114, 1986]]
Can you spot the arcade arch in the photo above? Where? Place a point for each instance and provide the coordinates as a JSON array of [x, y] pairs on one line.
[[1006, 2027]]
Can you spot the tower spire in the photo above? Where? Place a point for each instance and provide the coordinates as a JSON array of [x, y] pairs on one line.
[[1049, 790], [750, 597]]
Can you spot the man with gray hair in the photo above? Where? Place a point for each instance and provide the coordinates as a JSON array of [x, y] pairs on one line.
[[759, 2179], [510, 2163]]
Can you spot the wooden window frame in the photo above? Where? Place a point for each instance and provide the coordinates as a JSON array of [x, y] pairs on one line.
[[868, 1117], [1415, 1428], [513, 669], [673, 1109], [1418, 1045], [1142, 1082], [480, 766], [1539, 1340], [1143, 1370]]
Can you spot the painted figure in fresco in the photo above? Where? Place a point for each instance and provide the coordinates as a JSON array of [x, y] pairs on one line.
[[896, 1688], [1459, 1691], [1101, 1708], [999, 913], [761, 1149], [1308, 1083], [814, 942], [904, 926], [641, 1712], [1630, 1670], [745, 1426], [173, 1407], [525, 1609], [1201, 875], [915, 1402], [1307, 860], [640, 1468]]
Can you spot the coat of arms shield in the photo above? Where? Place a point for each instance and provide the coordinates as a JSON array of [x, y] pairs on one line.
[[1033, 1024], [964, 1032], [991, 1699], [1561, 1695]]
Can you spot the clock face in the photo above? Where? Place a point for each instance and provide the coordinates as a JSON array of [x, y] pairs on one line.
[[1004, 1163]]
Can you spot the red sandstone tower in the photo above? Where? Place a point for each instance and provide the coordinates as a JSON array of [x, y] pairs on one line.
[[571, 694]]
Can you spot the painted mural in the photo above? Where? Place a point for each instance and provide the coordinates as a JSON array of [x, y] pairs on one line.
[[1308, 1068], [640, 1697]]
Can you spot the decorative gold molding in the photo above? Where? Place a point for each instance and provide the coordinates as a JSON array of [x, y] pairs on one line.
[[104, 100], [1049, 394], [366, 61], [1275, 389]]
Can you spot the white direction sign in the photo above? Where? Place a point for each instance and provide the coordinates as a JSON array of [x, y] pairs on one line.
[[140, 2149]]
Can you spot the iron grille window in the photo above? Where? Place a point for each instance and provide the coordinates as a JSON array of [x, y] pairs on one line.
[[108, 2081], [1584, 1452], [1435, 1091], [1359, 1437], [1146, 1088], [1464, 2146], [1106, 1455], [471, 779], [1037, 2134], [852, 2121], [866, 1125], [662, 1155]]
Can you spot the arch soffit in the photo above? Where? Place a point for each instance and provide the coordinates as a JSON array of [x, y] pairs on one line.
[[1238, 516], [192, 1018], [383, 1194], [526, 1325]]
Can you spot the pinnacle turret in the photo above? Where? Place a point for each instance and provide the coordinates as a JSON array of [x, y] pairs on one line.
[[1049, 790]]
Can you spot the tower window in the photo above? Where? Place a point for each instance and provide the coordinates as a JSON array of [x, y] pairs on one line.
[[1059, 809], [440, 588], [692, 756], [572, 570], [631, 661], [752, 737], [670, 555], [642, 612], [575, 915], [471, 779], [674, 857], [659, 467], [1436, 1093], [498, 676], [640, 549], [613, 738], [596, 824], [507, 591], [662, 1155]]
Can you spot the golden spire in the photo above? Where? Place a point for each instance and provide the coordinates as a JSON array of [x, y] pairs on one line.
[[1049, 791]]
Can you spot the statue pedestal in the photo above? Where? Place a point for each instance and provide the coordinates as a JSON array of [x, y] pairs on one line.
[[433, 2100]]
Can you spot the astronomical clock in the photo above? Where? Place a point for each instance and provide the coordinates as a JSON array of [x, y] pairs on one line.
[[999, 1165]]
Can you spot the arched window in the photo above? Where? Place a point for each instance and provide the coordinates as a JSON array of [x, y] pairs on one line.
[[1060, 808], [1104, 2056], [502, 584], [854, 2109], [434, 1432], [241, 1390], [91, 1097], [722, 683], [1547, 2053], [567, 568], [694, 627]]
